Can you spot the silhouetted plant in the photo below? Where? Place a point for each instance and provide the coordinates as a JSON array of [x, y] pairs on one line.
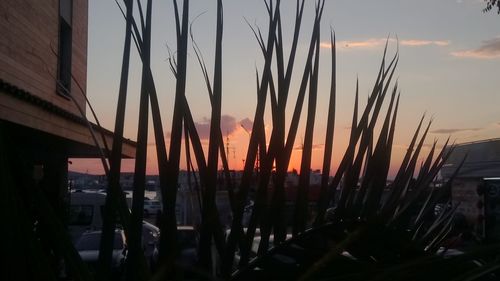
[[359, 212], [357, 234]]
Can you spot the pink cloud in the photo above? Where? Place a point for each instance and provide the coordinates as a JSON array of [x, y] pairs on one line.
[[416, 43], [372, 43], [489, 49], [314, 147], [228, 125], [454, 130], [247, 124]]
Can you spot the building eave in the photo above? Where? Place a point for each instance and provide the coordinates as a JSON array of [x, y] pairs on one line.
[[23, 108]]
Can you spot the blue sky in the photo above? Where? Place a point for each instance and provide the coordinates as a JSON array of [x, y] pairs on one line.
[[449, 64]]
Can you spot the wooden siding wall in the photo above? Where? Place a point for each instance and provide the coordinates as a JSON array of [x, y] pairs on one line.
[[29, 44]]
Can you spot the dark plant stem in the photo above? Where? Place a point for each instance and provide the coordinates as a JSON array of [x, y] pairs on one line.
[[135, 252], [114, 190], [330, 126]]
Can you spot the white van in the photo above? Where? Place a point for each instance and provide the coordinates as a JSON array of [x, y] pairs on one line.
[[85, 215], [86, 212]]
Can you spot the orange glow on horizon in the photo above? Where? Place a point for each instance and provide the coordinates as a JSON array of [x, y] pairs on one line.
[[238, 144]]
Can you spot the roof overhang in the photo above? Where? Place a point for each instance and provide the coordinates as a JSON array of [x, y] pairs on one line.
[[37, 115], [482, 159]]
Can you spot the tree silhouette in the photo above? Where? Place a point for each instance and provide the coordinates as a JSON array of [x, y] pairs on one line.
[[490, 4]]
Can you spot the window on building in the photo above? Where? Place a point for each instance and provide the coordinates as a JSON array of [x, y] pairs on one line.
[[65, 47]]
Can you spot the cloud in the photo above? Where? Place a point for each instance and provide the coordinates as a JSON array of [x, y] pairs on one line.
[[247, 124], [203, 128], [489, 49], [373, 43], [318, 146], [314, 146], [366, 44], [452, 131], [406, 146], [228, 125], [417, 43]]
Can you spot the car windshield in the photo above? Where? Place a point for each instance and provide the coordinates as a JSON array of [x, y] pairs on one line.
[[91, 242]]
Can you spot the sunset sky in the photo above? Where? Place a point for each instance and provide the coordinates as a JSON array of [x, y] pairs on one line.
[[449, 68]]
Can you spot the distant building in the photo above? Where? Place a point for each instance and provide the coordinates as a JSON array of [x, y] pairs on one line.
[[43, 73], [476, 188], [482, 160]]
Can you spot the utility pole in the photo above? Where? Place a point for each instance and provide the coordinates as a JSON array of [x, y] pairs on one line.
[[258, 148], [227, 147]]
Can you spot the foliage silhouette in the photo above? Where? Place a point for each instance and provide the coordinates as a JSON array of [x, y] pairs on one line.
[[363, 229]]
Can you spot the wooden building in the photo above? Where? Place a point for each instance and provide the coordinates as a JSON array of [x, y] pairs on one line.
[[43, 73]]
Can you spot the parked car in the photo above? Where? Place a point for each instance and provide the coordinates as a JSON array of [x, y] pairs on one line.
[[86, 212], [151, 207], [88, 248]]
